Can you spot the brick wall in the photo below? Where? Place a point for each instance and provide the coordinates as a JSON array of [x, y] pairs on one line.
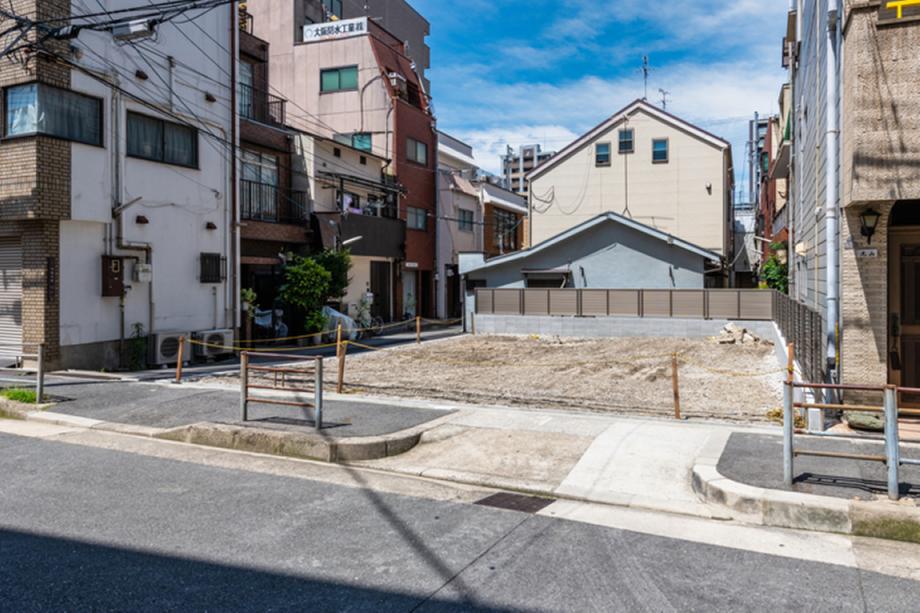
[[35, 190], [864, 301]]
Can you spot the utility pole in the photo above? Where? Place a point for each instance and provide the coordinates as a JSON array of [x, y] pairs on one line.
[[645, 71], [664, 98]]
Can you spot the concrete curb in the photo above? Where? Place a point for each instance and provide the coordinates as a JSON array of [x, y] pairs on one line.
[[768, 507], [306, 445]]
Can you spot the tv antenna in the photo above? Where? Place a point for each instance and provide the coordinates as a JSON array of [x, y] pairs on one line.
[[646, 69], [664, 98]]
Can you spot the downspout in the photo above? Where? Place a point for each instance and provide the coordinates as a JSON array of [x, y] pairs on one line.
[[234, 184], [832, 232]]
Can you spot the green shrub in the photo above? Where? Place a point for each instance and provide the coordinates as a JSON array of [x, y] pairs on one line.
[[18, 394], [306, 286], [775, 274]]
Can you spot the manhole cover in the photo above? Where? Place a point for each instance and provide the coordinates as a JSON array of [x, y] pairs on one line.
[[516, 502]]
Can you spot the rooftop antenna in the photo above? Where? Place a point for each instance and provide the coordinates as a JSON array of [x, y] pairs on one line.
[[664, 98], [645, 70]]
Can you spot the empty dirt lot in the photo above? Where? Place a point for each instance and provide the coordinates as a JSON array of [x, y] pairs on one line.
[[626, 375]]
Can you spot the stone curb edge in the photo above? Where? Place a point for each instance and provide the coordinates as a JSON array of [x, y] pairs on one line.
[[782, 509]]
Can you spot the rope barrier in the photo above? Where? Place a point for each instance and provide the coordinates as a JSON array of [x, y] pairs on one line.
[[303, 336], [259, 350]]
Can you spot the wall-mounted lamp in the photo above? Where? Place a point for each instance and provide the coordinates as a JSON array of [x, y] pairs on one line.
[[141, 220], [209, 97], [709, 187], [868, 221], [140, 74], [210, 226]]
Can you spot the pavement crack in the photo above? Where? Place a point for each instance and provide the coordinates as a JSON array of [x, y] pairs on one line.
[[472, 562]]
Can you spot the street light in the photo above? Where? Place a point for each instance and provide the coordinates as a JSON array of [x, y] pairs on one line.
[[350, 241], [868, 221]]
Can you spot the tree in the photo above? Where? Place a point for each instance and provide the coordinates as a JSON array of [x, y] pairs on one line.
[[306, 286], [775, 274], [338, 263]]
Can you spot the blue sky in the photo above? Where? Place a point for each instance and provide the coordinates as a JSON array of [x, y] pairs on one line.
[[516, 72]]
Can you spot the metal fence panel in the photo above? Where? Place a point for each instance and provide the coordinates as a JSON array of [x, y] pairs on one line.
[[755, 305], [507, 301], [688, 304], [656, 303], [485, 300], [723, 304], [623, 303], [563, 302], [536, 302], [594, 303]]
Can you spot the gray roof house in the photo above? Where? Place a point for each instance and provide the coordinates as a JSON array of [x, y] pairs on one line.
[[609, 251]]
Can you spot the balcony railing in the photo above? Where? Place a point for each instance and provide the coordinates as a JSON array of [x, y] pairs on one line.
[[264, 202], [260, 105], [246, 22]]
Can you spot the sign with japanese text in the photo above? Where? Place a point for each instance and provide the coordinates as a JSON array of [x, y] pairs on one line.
[[343, 28]]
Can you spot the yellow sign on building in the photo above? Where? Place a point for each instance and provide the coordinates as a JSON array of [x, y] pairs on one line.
[[893, 11]]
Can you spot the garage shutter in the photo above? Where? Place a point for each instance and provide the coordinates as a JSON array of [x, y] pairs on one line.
[[10, 299]]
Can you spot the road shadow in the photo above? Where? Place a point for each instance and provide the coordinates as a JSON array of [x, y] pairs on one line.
[[51, 573]]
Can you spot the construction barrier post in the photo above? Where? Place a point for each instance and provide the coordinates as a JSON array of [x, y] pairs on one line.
[[40, 375], [675, 386], [788, 425], [244, 385], [179, 361], [340, 387], [418, 330], [338, 340], [892, 452], [473, 323], [318, 395]]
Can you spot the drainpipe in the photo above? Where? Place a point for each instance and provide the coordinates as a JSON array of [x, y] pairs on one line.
[[832, 232], [234, 264]]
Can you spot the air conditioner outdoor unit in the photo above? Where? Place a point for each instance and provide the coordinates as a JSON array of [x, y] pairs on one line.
[[218, 342], [166, 347]]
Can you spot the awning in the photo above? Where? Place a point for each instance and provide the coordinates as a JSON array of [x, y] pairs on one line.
[[328, 228], [464, 186]]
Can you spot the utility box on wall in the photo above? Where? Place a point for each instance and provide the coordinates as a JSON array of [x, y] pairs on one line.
[[113, 276]]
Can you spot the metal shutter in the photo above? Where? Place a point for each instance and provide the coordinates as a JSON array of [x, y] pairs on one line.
[[10, 299]]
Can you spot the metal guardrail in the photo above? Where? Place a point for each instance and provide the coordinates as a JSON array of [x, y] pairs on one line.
[[283, 375], [891, 457], [39, 357], [265, 202]]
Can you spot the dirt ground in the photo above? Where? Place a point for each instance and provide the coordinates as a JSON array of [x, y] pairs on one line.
[[628, 375]]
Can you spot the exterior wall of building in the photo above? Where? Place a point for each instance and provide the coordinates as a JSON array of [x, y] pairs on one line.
[[77, 188], [687, 197], [506, 242], [808, 268], [515, 166]]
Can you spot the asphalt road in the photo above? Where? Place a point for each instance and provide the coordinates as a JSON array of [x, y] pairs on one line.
[[87, 528]]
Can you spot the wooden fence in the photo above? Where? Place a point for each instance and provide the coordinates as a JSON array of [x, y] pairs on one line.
[[798, 323]]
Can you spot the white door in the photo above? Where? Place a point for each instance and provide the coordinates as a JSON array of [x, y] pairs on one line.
[[10, 299]]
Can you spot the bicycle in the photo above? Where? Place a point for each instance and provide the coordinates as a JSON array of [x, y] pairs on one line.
[[368, 325]]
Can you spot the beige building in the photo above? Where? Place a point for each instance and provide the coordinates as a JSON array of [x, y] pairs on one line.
[[645, 164], [516, 165], [857, 266]]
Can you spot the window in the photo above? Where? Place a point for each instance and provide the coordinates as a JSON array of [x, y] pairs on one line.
[[466, 220], [338, 79], [626, 141], [245, 93], [602, 154], [505, 230], [153, 139], [363, 160], [211, 268], [332, 8], [362, 141], [337, 152], [350, 202], [41, 109], [259, 186], [660, 151], [417, 151], [418, 219]]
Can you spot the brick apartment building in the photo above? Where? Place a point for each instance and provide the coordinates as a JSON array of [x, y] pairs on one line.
[[116, 198], [354, 81]]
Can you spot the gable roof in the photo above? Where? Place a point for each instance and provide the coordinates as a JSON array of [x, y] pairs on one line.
[[616, 118], [596, 221]]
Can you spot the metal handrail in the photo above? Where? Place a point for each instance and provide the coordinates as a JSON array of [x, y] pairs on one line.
[[316, 371], [39, 357]]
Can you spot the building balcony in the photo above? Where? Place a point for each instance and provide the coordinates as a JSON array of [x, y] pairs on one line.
[[269, 203], [260, 106], [245, 22]]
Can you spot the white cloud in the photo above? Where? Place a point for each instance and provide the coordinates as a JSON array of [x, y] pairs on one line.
[[489, 144]]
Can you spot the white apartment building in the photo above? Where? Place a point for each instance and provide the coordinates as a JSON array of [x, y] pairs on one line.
[[121, 219]]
